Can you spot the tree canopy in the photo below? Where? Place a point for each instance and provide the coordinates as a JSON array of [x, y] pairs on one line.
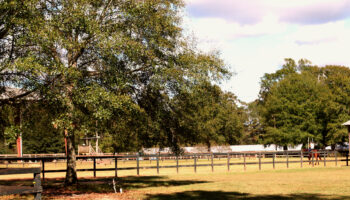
[[304, 101], [93, 61]]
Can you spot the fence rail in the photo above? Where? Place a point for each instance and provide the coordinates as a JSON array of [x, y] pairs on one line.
[[287, 156]]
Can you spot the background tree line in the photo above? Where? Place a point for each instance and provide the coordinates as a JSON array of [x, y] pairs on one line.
[[297, 102]]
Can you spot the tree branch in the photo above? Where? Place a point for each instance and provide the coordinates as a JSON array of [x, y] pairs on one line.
[[13, 99]]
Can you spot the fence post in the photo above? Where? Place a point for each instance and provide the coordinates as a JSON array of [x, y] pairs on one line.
[[157, 163], [301, 158], [212, 162], [37, 185], [347, 158], [335, 155], [228, 161], [324, 158], [137, 164], [273, 160], [287, 159], [259, 160], [116, 166], [312, 155], [94, 167], [195, 163], [244, 161], [177, 164], [43, 168]]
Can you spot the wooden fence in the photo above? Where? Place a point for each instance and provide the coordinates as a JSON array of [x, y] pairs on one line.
[[263, 158]]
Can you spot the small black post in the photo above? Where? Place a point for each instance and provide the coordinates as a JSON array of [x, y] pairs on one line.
[[157, 163], [177, 164], [336, 160], [195, 163], [228, 161], [43, 168], [138, 164], [347, 158], [301, 158], [212, 162], [273, 160], [116, 166], [94, 167], [287, 159], [244, 160], [324, 158], [312, 153], [259, 160]]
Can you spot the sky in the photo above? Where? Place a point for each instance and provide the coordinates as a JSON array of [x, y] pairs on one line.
[[255, 36]]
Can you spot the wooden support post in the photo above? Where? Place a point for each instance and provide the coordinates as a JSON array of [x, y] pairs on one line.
[[336, 160], [138, 165], [195, 164], [347, 158], [212, 162], [116, 166], [259, 160], [43, 168], [228, 161], [157, 163], [287, 159], [312, 155], [273, 160], [244, 162], [37, 185], [94, 167], [177, 164], [324, 158], [301, 158]]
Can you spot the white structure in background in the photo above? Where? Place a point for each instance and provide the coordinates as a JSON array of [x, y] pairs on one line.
[[225, 149], [260, 147]]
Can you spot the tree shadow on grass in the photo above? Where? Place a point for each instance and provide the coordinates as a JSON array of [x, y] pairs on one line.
[[206, 195], [55, 186]]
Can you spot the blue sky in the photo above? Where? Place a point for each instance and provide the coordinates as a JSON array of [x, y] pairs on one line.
[[254, 36]]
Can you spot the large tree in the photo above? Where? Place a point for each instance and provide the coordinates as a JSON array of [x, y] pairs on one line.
[[206, 115], [91, 59], [301, 101], [293, 108]]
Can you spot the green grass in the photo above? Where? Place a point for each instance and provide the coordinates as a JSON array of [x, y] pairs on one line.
[[300, 184], [319, 182]]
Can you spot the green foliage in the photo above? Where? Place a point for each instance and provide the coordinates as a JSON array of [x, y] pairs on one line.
[[94, 62], [307, 101], [206, 115], [253, 124]]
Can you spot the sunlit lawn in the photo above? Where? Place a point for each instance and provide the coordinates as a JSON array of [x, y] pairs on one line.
[[318, 182]]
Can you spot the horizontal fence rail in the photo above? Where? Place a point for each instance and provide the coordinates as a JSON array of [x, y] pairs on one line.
[[301, 157]]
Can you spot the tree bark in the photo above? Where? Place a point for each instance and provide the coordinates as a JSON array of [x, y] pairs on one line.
[[71, 175]]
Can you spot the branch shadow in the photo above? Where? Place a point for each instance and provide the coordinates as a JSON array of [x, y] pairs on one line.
[[55, 186], [206, 195]]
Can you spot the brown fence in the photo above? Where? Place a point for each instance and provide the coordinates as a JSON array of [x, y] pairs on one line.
[[260, 158]]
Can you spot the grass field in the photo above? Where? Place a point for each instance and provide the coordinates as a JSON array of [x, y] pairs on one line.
[[317, 182]]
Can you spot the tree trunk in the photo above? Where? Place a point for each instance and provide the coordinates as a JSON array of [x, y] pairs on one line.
[[208, 145], [71, 175]]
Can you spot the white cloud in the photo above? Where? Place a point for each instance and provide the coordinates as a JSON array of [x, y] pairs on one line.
[[217, 31], [253, 11], [253, 49]]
